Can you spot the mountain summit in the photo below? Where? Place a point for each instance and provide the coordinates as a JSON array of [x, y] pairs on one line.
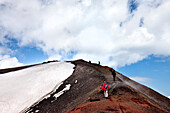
[[74, 87]]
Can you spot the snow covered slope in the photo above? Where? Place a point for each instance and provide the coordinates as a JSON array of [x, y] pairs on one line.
[[21, 89]]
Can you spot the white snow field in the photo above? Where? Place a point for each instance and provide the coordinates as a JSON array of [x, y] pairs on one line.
[[67, 87], [21, 89]]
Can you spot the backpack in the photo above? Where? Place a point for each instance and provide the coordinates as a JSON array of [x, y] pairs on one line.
[[105, 86]]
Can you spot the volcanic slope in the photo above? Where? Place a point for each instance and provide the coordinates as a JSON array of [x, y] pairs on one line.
[[81, 93], [53, 90]]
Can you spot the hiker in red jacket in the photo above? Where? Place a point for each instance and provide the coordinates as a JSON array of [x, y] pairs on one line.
[[105, 88]]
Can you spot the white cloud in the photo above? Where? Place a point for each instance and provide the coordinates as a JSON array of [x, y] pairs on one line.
[[141, 79], [169, 97], [6, 62], [54, 57], [89, 27]]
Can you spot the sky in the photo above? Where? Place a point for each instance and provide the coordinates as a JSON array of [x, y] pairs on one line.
[[132, 36]]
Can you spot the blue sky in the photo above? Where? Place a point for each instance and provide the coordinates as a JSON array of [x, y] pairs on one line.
[[155, 73], [131, 36]]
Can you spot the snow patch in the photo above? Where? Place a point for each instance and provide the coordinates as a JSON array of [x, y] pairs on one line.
[[75, 81], [62, 92], [37, 111], [21, 89], [169, 97]]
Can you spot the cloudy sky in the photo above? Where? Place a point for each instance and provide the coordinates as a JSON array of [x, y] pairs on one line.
[[132, 36]]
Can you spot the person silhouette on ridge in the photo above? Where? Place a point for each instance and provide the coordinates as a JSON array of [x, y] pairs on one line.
[[113, 74], [105, 88]]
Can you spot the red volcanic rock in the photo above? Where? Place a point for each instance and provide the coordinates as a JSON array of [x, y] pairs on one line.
[[124, 101]]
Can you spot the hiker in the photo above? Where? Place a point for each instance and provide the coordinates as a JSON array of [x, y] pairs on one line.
[[113, 74], [99, 62], [105, 88]]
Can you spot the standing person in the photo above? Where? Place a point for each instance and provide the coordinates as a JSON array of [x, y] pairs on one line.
[[113, 74], [105, 88]]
